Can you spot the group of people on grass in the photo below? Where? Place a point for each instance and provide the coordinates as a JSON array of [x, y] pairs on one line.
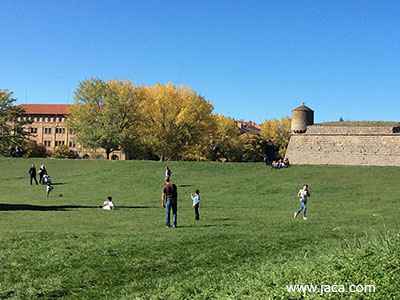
[[169, 196], [280, 164], [16, 151], [44, 178], [169, 201]]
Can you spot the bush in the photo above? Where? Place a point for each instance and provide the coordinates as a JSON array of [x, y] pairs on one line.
[[64, 152], [36, 150], [96, 156]]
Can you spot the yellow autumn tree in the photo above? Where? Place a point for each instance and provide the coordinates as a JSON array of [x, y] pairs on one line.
[[277, 134], [225, 141], [177, 122]]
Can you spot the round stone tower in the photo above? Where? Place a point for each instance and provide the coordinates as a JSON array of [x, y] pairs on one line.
[[301, 118]]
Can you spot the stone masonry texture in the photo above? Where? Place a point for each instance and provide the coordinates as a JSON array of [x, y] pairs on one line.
[[345, 146]]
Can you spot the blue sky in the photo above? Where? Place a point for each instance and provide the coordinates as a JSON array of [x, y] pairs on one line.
[[255, 60]]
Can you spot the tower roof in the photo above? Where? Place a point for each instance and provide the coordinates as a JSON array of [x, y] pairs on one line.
[[302, 108]]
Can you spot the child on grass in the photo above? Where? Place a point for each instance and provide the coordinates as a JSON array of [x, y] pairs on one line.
[[303, 194], [196, 203], [49, 188], [108, 204]]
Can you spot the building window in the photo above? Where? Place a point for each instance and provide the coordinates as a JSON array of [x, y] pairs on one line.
[[33, 130], [47, 143], [47, 131], [72, 131], [60, 130], [59, 143], [72, 145]]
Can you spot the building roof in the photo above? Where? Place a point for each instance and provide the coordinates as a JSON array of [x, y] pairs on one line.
[[302, 108], [46, 109], [248, 127]]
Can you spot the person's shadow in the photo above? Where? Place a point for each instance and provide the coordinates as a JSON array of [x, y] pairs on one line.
[[14, 207]]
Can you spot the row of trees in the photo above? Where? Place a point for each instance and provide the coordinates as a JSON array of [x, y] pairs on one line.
[[165, 122]]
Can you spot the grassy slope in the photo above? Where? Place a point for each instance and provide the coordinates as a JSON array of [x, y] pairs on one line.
[[65, 247]]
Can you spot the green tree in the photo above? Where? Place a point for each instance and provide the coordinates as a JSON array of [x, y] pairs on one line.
[[277, 134], [225, 141], [104, 114], [177, 122], [254, 147], [12, 126]]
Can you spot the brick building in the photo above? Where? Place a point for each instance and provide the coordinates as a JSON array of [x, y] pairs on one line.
[[47, 128]]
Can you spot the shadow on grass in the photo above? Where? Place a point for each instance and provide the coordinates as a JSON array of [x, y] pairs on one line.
[[184, 185], [205, 225], [59, 183], [13, 207]]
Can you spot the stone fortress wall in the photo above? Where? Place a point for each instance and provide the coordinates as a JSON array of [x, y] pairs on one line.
[[346, 143]]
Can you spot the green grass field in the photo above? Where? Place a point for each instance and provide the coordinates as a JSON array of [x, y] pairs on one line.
[[245, 246]]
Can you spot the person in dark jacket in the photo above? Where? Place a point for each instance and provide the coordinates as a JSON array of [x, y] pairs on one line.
[[42, 172], [32, 172], [12, 150]]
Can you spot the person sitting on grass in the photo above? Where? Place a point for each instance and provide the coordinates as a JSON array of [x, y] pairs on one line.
[[303, 194], [275, 165], [286, 162], [108, 204]]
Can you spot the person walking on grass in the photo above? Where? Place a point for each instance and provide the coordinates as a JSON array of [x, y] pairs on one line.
[[49, 188], [169, 200], [32, 172], [196, 203], [42, 171], [303, 194], [167, 172]]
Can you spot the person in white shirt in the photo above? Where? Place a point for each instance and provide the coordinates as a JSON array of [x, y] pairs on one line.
[[167, 172], [303, 194], [196, 204], [108, 204], [49, 188]]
